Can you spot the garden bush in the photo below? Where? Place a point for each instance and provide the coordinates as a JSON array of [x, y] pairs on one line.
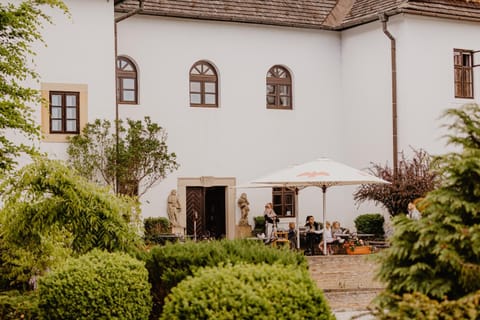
[[16, 305], [168, 265], [97, 285], [154, 228], [259, 225], [370, 223], [418, 306], [247, 291]]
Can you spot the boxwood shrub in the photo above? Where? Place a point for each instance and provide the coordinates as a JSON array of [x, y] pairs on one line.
[[170, 264], [17, 305], [97, 285], [247, 291], [370, 223]]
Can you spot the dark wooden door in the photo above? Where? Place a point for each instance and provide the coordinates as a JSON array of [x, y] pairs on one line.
[[207, 207], [195, 209]]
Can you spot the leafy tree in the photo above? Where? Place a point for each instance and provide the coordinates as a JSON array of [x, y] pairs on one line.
[[20, 26], [51, 212], [139, 160], [439, 255], [413, 180]]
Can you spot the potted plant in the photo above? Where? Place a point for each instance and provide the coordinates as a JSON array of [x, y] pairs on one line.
[[357, 246]]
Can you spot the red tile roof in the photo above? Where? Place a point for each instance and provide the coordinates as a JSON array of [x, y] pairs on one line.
[[302, 13]]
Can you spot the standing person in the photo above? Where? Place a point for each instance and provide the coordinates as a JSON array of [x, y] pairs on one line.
[[271, 220], [292, 235], [312, 235], [413, 212]]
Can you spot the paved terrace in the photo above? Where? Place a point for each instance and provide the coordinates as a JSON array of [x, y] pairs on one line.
[[347, 281]]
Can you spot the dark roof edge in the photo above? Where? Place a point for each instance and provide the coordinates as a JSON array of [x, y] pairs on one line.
[[116, 2], [441, 15], [344, 26], [236, 19]]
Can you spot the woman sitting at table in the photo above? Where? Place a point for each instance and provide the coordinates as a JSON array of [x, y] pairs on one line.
[[327, 237], [337, 231]]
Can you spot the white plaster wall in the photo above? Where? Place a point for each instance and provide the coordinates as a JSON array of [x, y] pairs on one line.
[[425, 86], [366, 104], [80, 50], [241, 138], [426, 80]]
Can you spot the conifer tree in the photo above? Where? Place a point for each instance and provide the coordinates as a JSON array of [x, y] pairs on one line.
[[439, 255]]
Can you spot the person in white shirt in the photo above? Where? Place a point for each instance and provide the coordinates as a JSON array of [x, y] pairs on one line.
[[327, 236], [413, 212]]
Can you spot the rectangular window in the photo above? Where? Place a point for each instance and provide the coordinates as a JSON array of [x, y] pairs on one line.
[[463, 65], [64, 112], [283, 202]]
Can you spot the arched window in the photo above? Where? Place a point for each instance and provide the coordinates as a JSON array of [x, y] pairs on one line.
[[127, 83], [203, 85], [279, 88]]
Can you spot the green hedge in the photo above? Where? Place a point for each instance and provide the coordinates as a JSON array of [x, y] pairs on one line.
[[97, 285], [16, 305], [247, 291], [420, 307], [154, 228], [370, 223], [170, 264]]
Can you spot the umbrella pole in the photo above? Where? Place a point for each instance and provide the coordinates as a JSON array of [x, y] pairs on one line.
[[324, 190], [296, 217]]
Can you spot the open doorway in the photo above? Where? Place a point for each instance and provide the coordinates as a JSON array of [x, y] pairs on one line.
[[206, 211]]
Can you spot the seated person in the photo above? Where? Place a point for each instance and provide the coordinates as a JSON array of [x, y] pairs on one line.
[[313, 234], [292, 235], [336, 230], [327, 237]]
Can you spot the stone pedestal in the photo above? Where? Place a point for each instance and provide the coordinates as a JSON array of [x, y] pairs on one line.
[[242, 232], [178, 230]]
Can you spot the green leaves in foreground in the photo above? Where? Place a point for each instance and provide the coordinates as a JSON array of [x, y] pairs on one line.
[[49, 212]]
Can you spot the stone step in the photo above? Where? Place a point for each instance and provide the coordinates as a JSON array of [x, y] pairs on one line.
[[347, 280]]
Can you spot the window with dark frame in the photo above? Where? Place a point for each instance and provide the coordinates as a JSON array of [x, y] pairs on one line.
[[279, 88], [463, 65], [64, 112], [127, 83], [203, 85], [283, 200]]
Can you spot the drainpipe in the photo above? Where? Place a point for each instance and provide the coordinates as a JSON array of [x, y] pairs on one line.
[[117, 129], [384, 18]]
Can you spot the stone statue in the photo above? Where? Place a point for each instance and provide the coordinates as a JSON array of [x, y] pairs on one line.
[[173, 207], [243, 204]]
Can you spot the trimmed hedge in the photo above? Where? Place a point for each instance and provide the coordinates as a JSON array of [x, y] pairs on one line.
[[172, 263], [247, 291], [370, 223], [97, 285], [15, 305]]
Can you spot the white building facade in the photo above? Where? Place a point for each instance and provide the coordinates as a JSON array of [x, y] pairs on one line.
[[329, 67]]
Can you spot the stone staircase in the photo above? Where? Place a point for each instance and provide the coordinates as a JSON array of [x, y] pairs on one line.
[[347, 280]]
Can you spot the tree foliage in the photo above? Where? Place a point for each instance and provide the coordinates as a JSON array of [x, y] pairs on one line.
[[413, 180], [140, 159], [439, 255], [20, 27], [51, 212]]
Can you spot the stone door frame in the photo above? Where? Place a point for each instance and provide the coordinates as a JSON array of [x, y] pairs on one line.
[[208, 181]]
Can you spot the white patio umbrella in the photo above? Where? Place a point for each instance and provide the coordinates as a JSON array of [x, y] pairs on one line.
[[322, 173]]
